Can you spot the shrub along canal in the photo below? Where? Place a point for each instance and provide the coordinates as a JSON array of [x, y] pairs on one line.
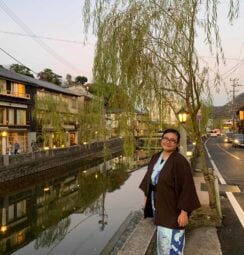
[[69, 210]]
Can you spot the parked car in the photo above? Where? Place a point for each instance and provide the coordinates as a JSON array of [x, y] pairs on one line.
[[213, 133], [238, 140], [228, 137]]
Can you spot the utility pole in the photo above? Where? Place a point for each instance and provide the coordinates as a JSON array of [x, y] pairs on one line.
[[234, 85]]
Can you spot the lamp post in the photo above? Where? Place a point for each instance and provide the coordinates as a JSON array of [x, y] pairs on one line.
[[4, 149], [182, 115]]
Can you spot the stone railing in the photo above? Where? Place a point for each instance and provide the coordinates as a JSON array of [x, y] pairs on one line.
[[60, 153]]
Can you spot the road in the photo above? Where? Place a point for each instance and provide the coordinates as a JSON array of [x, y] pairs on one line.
[[229, 162]]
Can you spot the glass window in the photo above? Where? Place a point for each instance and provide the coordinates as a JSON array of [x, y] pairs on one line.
[[73, 103], [2, 86], [11, 213], [21, 117], [11, 116], [2, 116], [18, 89], [21, 208]]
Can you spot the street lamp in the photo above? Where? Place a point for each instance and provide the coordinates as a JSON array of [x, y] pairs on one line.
[[4, 148], [182, 115]]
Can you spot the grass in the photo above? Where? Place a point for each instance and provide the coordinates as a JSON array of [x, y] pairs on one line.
[[204, 216]]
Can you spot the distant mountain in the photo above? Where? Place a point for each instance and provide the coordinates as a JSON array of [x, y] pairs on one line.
[[225, 111]]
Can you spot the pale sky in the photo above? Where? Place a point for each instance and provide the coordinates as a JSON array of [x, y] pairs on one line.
[[62, 19]]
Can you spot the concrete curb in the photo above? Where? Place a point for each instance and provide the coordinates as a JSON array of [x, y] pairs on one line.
[[121, 235], [140, 239], [202, 241]]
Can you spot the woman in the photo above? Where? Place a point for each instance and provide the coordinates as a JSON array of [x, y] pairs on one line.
[[170, 194]]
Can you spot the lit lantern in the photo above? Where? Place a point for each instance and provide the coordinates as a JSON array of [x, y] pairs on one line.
[[182, 114]]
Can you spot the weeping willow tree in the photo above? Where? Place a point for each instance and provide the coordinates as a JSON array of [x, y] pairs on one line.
[[148, 48], [91, 121], [52, 113]]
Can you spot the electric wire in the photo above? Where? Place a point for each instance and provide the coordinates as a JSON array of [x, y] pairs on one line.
[[28, 31], [42, 37], [21, 63]]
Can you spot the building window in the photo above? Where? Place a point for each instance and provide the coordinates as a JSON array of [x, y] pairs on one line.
[[2, 116], [21, 209], [21, 117], [73, 103], [11, 213], [3, 86], [11, 116], [18, 89]]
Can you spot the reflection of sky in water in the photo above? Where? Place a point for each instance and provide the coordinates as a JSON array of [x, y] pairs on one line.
[[84, 234]]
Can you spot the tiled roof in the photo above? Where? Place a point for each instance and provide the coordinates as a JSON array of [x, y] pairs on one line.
[[4, 73], [81, 91]]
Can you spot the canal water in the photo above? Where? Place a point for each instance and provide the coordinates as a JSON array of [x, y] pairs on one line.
[[71, 210]]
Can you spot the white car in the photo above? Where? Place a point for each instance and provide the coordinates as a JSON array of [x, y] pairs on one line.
[[213, 134]]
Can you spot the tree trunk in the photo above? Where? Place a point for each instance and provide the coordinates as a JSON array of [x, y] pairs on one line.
[[208, 176]]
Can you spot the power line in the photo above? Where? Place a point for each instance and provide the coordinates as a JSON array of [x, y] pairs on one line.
[[42, 37], [20, 23], [16, 60]]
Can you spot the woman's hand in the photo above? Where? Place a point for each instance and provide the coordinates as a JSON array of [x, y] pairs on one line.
[[145, 201], [183, 218]]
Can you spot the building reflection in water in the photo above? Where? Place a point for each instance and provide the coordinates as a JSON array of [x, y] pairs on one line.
[[38, 207]]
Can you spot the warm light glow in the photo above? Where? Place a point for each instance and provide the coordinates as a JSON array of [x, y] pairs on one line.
[[194, 143], [189, 153], [46, 148], [85, 143], [241, 114], [96, 132], [4, 228], [182, 114], [54, 146], [4, 133], [96, 176], [62, 146], [46, 189]]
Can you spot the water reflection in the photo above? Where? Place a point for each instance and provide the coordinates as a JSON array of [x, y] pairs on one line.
[[39, 208]]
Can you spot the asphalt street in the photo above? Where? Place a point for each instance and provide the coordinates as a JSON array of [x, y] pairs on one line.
[[229, 161]]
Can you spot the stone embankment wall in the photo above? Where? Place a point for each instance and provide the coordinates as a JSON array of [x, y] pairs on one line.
[[25, 164]]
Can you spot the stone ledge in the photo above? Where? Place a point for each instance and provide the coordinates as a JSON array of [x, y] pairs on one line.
[[140, 239]]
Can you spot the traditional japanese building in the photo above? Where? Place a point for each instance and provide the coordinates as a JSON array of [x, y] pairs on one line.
[[18, 95]]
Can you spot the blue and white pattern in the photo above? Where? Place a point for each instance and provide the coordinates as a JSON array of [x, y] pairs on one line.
[[157, 169], [170, 241], [154, 177]]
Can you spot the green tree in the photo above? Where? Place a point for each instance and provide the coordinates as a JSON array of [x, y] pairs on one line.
[[21, 70], [148, 48], [51, 113], [69, 82], [48, 75], [80, 80]]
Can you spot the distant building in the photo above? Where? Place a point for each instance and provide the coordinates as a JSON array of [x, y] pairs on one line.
[[17, 101]]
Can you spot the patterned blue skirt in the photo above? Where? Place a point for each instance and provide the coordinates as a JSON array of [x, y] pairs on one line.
[[170, 241]]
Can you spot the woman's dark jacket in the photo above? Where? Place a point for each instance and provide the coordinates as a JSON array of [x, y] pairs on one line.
[[175, 190]]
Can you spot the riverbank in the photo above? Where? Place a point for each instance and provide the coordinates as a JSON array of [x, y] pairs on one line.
[[201, 233], [26, 164]]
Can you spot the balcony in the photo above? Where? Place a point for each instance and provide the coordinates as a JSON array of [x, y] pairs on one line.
[[14, 94]]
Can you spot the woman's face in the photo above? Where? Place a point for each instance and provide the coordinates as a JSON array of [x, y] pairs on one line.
[[169, 142]]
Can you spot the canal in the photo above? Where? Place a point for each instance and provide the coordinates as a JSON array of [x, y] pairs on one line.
[[76, 209]]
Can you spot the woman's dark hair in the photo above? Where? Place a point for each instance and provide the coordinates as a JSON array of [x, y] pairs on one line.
[[172, 130]]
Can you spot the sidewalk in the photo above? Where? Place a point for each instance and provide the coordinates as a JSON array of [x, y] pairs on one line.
[[200, 240]]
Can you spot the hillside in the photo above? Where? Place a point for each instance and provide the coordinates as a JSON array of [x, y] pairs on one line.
[[225, 111]]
